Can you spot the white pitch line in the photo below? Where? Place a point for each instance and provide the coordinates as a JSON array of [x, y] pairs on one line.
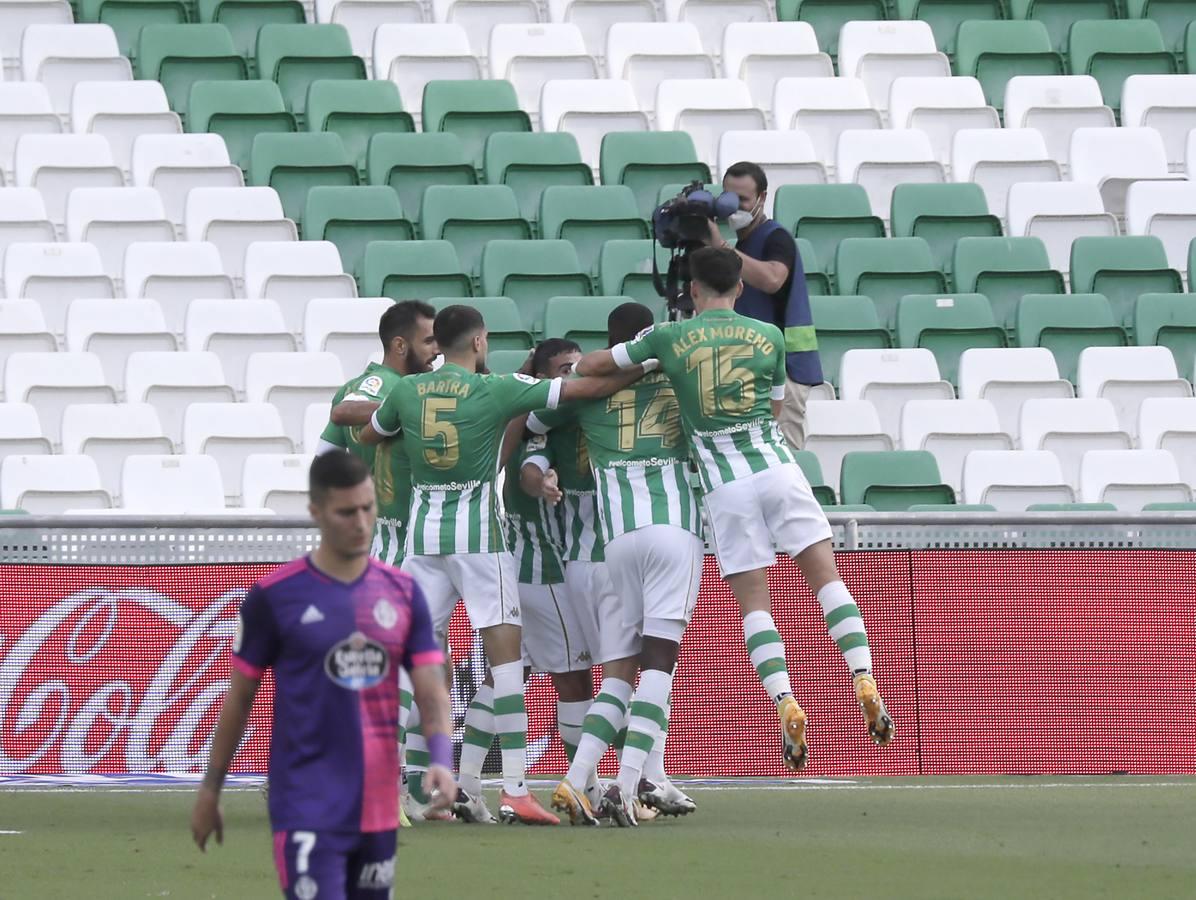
[[12, 832]]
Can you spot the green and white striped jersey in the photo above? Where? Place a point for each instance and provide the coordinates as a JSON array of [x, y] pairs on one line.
[[564, 448], [725, 369], [452, 422], [530, 530]]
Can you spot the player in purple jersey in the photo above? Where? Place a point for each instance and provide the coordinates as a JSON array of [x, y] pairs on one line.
[[336, 627]]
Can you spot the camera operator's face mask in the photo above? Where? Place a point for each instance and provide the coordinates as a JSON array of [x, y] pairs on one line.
[[742, 218]]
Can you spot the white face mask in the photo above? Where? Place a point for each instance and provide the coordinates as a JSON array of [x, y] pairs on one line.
[[742, 218]]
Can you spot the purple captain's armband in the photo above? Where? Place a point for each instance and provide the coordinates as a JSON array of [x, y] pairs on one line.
[[440, 750]]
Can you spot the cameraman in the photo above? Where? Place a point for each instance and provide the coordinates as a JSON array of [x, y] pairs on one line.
[[774, 290]]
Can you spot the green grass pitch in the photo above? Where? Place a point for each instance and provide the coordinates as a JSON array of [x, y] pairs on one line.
[[924, 838]]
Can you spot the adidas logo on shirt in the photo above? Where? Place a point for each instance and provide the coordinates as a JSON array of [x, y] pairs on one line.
[[311, 615]]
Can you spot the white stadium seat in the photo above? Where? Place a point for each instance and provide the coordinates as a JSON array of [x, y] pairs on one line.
[[23, 328], [1056, 105], [121, 111], [54, 275], [23, 218], [890, 378], [824, 108], [362, 18], [24, 109], [1012, 480], [171, 485], [57, 164], [589, 110], [1069, 428], [1169, 423], [292, 381], [315, 420], [61, 56], [348, 328], [998, 158], [646, 54], [1128, 375], [114, 329], [113, 218], [291, 272], [706, 108], [229, 432], [881, 160], [174, 274], [52, 382], [1167, 210], [1113, 158], [529, 55], [478, 16], [21, 431], [235, 329], [878, 53], [1166, 103], [413, 55], [15, 17], [762, 53], [277, 482], [234, 218], [787, 157], [50, 485], [837, 427], [713, 17], [173, 164], [170, 381], [1130, 479], [107, 433], [594, 18], [950, 429], [1007, 378], [1057, 214], [940, 107]]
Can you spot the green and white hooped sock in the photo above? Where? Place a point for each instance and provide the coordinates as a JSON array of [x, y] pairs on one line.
[[606, 718], [647, 719], [654, 767], [417, 756], [767, 651], [570, 720], [510, 721], [846, 626], [478, 736]]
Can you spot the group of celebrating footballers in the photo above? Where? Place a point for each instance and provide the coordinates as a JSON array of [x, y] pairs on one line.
[[593, 557]]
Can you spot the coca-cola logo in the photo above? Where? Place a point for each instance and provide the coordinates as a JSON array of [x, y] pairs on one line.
[[357, 663]]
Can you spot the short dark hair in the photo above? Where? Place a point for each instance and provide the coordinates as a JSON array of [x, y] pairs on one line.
[[334, 469], [716, 268], [749, 168], [626, 321], [399, 320], [549, 348], [456, 323]]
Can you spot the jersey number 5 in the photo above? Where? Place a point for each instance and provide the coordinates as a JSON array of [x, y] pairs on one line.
[[435, 428], [723, 386]]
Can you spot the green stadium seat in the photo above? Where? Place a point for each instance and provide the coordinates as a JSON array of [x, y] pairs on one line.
[[410, 163], [243, 18], [1066, 324], [1172, 16], [842, 323], [625, 269], [644, 160], [414, 270], [356, 111], [297, 55], [947, 326], [1112, 51], [952, 507], [470, 217], [994, 52], [1169, 507], [1059, 15], [818, 282], [1071, 507], [180, 55], [473, 110], [529, 163], [946, 16], [886, 269], [893, 480], [580, 319], [589, 217], [941, 214], [1004, 270], [832, 508], [1122, 268], [531, 273], [292, 164], [127, 17], [505, 362], [1169, 320], [238, 111], [1189, 54], [827, 17], [352, 217], [808, 462], [825, 214], [504, 326]]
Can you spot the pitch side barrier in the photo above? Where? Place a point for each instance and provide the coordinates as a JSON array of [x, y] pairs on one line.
[[1004, 644]]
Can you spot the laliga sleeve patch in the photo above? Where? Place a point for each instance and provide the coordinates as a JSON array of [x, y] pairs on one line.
[[371, 385], [644, 333], [537, 443], [526, 379]]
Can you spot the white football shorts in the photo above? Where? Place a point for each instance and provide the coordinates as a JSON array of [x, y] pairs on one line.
[[553, 638], [487, 582], [656, 572], [599, 610]]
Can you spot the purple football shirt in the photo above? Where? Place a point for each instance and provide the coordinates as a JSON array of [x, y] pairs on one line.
[[336, 649]]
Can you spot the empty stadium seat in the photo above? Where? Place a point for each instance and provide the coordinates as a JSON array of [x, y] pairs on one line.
[[174, 274], [505, 328], [889, 378], [362, 18], [1121, 269], [625, 269], [994, 52], [24, 109], [410, 163], [1066, 324], [1113, 158], [1169, 423], [842, 323], [414, 270], [1069, 428], [824, 108], [292, 381], [245, 18], [296, 56], [880, 52], [355, 111], [292, 272], [60, 56], [881, 160], [121, 112], [787, 157], [170, 381], [177, 56], [235, 329], [314, 420], [21, 431], [647, 53], [1059, 15], [531, 273], [234, 218], [113, 329], [276, 482], [762, 53], [229, 432], [818, 280], [173, 164], [1057, 214], [23, 329], [23, 218], [827, 17], [171, 485], [351, 217], [238, 111], [113, 218], [836, 428], [15, 17], [109, 432], [1131, 478], [827, 214], [940, 107], [580, 319], [1111, 51], [413, 55], [941, 214], [892, 481], [588, 217], [1056, 106], [998, 158], [53, 381], [947, 326], [529, 163], [50, 485], [1128, 375], [811, 468], [56, 164], [347, 328], [505, 362], [473, 110], [644, 161], [705, 109], [950, 429], [1166, 210], [1004, 270], [713, 17], [471, 217], [886, 269], [292, 164], [478, 16], [530, 55], [1007, 379], [589, 110], [54, 275], [1166, 103], [1168, 320], [1012, 480]]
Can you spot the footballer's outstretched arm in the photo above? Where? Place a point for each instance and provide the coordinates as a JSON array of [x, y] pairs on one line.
[[353, 412], [431, 696], [594, 387], [234, 715], [596, 362]]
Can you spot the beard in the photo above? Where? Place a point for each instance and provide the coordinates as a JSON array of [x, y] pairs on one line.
[[415, 363]]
